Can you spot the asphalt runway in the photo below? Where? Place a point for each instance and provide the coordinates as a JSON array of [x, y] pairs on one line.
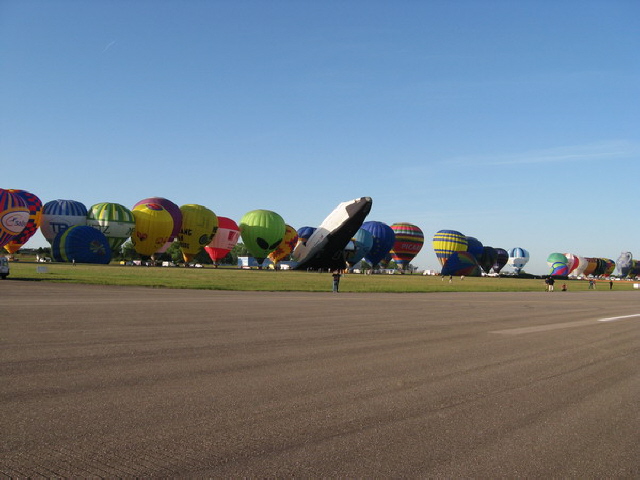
[[137, 382]]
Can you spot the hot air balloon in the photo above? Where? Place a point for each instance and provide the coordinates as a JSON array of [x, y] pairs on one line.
[[501, 260], [224, 240], [518, 258], [285, 247], [362, 242], [58, 215], [583, 263], [81, 244], [325, 248], [261, 232], [592, 264], [14, 216], [304, 233], [199, 225], [624, 263], [610, 266], [383, 240], [115, 221], [35, 215], [572, 262], [488, 258], [557, 262], [475, 248], [153, 228], [409, 239], [447, 242], [462, 264], [176, 216]]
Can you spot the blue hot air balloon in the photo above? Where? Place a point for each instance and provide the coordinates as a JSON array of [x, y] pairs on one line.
[[58, 215], [81, 244], [475, 247], [383, 240], [362, 243]]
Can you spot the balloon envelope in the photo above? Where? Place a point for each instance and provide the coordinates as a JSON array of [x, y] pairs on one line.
[[14, 216], [409, 240], [488, 258], [447, 242], [82, 244], [199, 225], [362, 242], [624, 263], [518, 258], [153, 228], [475, 247], [383, 240], [224, 240], [286, 246], [461, 263], [501, 260], [261, 231], [58, 215], [176, 215], [35, 215], [115, 221]]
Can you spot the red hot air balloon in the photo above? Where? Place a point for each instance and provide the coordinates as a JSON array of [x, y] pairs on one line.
[[224, 240]]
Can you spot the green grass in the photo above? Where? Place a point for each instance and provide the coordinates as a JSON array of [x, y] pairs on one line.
[[209, 278]]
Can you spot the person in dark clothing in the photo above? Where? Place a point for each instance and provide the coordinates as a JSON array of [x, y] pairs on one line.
[[336, 281]]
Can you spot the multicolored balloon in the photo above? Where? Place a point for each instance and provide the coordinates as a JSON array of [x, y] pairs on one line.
[[176, 216], [224, 240], [383, 240], [14, 216], [153, 228], [35, 216], [261, 232], [518, 258], [286, 246], [557, 263], [81, 244], [361, 243], [447, 242], [115, 221], [409, 240], [304, 233], [58, 215], [572, 261], [583, 263], [199, 225], [592, 264], [461, 264]]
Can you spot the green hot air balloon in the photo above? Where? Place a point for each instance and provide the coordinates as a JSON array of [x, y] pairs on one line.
[[262, 231], [115, 221]]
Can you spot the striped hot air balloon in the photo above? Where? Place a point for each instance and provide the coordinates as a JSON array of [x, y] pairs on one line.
[[447, 242], [409, 240], [115, 221], [58, 215], [14, 215], [35, 216], [518, 258]]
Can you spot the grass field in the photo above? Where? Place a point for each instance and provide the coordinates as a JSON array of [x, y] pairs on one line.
[[209, 278]]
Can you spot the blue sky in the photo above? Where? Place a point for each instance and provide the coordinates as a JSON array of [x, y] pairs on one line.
[[513, 122]]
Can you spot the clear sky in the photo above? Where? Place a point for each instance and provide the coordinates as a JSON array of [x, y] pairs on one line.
[[516, 122]]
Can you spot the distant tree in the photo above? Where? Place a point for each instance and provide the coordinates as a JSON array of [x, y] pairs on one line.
[[127, 252]]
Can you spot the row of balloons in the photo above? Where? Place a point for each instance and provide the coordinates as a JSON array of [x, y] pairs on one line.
[[91, 235], [564, 264], [463, 255]]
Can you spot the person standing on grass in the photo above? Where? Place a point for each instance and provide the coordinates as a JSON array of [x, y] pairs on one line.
[[336, 281], [551, 282]]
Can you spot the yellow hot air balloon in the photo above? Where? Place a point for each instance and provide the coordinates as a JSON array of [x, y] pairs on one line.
[[199, 225], [153, 228], [286, 246]]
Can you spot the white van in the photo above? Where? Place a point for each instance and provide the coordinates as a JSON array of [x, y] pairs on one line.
[[4, 267]]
